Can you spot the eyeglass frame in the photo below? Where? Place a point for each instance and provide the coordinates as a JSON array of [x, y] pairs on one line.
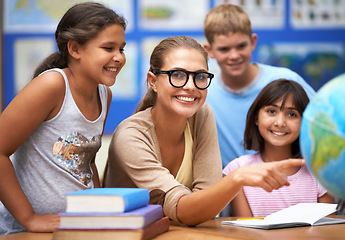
[[170, 72]]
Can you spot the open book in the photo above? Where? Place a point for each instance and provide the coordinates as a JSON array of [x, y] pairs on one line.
[[299, 215]]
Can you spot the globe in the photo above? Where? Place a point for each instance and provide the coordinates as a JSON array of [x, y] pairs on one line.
[[322, 136]]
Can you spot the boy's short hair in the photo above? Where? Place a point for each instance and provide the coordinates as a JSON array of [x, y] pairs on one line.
[[226, 18]]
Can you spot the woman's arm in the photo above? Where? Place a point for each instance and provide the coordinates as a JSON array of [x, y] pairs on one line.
[[240, 207], [134, 161], [203, 205], [140, 160], [38, 101]]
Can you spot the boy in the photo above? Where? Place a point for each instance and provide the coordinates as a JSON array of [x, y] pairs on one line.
[[231, 42]]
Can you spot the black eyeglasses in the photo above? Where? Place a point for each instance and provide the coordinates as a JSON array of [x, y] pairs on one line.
[[179, 78]]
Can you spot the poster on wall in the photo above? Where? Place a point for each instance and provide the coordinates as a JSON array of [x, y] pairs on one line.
[[25, 16], [126, 86], [316, 62], [147, 47], [28, 54], [172, 15], [318, 14], [264, 14]]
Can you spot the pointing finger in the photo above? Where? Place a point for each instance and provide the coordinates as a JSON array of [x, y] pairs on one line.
[[290, 163]]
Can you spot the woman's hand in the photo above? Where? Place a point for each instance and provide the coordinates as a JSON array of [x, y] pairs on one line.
[[195, 208], [268, 176]]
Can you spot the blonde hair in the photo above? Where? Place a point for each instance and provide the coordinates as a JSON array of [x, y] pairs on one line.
[[226, 18], [157, 61]]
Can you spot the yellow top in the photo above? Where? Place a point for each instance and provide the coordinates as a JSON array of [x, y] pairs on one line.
[[185, 173]]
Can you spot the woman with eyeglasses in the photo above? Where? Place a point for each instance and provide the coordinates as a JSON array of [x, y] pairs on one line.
[[170, 146]]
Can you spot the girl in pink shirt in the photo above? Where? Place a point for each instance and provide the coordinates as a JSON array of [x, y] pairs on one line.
[[272, 129]]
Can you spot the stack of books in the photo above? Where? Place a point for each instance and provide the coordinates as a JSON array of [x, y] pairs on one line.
[[110, 213]]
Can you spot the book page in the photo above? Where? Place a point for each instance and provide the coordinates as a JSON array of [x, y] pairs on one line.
[[328, 221], [302, 212]]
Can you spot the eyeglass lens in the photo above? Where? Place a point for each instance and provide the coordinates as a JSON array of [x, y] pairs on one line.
[[180, 78]]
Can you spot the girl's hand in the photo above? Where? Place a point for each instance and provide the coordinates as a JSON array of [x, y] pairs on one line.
[[43, 223], [268, 176]]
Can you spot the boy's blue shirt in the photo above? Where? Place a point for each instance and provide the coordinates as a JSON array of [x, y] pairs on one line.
[[231, 109]]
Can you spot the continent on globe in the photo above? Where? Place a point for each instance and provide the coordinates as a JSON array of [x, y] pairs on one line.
[[328, 146]]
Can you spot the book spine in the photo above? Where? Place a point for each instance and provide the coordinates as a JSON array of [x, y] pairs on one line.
[[154, 215], [156, 228], [136, 200]]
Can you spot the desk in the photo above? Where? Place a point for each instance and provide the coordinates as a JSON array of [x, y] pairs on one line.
[[213, 230]]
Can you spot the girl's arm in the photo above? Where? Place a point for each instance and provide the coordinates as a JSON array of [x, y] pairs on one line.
[[205, 204], [40, 100], [240, 207], [95, 177], [326, 198], [323, 195]]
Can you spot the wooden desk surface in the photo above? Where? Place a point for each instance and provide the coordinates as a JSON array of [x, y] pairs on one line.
[[213, 230]]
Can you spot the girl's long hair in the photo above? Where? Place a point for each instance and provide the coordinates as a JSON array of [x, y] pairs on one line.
[[273, 92], [81, 23]]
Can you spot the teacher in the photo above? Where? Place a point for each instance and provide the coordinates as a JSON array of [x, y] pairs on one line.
[[170, 146]]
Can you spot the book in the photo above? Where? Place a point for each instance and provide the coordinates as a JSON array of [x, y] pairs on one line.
[[107, 200], [135, 219], [149, 232], [299, 215]]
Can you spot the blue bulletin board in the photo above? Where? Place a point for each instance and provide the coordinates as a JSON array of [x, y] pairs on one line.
[[306, 36]]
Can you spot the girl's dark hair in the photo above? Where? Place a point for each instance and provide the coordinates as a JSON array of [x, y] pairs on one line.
[[157, 60], [273, 92], [81, 23]]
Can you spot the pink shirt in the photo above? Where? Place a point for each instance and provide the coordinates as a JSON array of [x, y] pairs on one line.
[[303, 188]]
